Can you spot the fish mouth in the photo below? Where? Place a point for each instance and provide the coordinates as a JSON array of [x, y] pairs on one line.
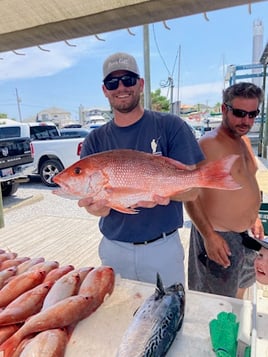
[[63, 192]]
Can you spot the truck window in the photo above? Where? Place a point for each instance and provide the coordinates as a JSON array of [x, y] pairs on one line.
[[43, 132], [10, 132]]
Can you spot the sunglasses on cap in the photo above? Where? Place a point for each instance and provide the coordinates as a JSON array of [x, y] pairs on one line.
[[239, 113], [128, 80]]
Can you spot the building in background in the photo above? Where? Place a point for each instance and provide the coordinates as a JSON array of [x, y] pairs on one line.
[[58, 116]]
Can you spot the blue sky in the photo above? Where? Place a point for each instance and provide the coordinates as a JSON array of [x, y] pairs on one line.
[[67, 77]]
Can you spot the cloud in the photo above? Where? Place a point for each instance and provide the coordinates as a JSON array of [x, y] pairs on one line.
[[45, 61], [204, 93]]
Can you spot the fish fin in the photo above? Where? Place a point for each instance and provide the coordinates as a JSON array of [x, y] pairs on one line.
[[176, 163], [159, 290], [177, 194], [217, 174], [122, 209]]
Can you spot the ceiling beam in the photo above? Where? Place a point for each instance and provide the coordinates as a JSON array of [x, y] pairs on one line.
[[27, 23]]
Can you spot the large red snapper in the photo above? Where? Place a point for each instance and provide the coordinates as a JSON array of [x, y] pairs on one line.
[[126, 177]]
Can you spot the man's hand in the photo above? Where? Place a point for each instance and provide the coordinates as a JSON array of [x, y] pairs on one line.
[[257, 229], [218, 250], [97, 208]]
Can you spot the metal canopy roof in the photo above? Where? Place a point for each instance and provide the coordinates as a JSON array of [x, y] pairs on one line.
[[26, 23]]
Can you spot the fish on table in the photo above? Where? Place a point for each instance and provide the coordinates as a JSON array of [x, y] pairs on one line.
[[20, 284], [25, 305], [67, 312], [62, 314], [155, 324], [125, 177], [48, 343]]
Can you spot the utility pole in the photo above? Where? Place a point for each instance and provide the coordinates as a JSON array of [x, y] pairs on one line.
[[262, 147], [265, 137], [178, 111], [147, 77], [171, 83], [18, 103]]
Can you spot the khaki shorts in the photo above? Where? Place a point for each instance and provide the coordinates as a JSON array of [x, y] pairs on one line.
[[142, 262]]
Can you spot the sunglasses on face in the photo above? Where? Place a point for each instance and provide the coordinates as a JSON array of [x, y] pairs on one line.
[[128, 80], [239, 113]]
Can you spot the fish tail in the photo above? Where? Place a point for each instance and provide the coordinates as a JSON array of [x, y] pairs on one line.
[[217, 174]]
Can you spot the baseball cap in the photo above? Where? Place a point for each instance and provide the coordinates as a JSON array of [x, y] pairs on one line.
[[120, 61], [254, 243], [258, 243]]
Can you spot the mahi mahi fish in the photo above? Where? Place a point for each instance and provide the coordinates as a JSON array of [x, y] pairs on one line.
[[155, 324], [125, 177]]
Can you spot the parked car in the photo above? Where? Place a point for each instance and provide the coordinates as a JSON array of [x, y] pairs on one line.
[[52, 152], [74, 132], [72, 126], [16, 157], [94, 121]]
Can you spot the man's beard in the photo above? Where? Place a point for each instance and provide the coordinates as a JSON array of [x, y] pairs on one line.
[[126, 107], [233, 129]]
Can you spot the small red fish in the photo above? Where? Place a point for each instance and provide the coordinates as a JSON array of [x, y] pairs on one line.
[[46, 266], [7, 256], [6, 274], [21, 268], [98, 283], [64, 287], [19, 284], [7, 331], [126, 177], [13, 262], [64, 313], [48, 343], [57, 273], [25, 305]]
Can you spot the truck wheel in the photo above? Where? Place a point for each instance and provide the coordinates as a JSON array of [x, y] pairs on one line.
[[48, 170], [9, 189]]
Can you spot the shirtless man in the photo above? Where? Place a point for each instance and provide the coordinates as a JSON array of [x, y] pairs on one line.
[[219, 263]]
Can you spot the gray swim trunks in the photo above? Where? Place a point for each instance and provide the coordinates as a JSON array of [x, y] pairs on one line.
[[207, 276]]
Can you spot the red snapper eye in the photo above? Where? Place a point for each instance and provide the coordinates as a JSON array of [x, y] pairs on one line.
[[77, 170]]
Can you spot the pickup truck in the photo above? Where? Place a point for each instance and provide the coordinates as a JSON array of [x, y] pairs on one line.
[[16, 160], [52, 156], [52, 152]]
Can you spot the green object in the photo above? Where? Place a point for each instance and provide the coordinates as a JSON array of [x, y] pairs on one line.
[[247, 352], [223, 334], [263, 213]]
